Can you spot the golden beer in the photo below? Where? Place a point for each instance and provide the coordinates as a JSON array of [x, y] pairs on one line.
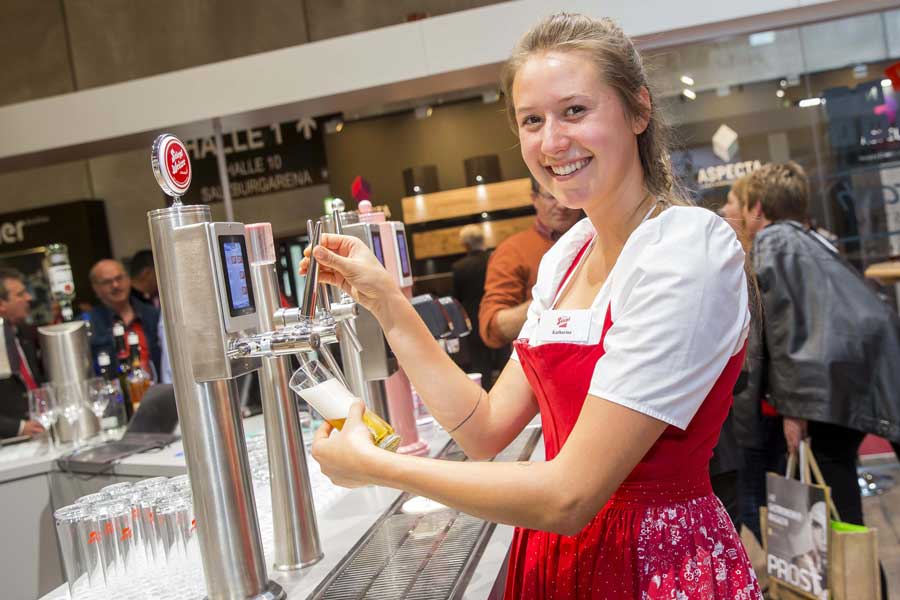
[[314, 383]]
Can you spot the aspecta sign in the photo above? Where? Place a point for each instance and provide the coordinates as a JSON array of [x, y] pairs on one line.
[[262, 160]]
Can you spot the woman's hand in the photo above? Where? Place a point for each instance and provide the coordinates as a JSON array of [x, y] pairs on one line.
[[346, 262], [347, 455]]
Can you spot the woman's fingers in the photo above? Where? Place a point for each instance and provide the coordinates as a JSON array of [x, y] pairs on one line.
[[323, 431]]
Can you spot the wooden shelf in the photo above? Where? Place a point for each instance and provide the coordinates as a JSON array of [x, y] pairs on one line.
[[472, 200], [445, 241]]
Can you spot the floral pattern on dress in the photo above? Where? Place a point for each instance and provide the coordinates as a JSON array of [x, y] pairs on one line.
[[690, 550]]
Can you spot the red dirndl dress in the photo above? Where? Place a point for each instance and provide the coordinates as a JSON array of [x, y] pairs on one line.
[[663, 534]]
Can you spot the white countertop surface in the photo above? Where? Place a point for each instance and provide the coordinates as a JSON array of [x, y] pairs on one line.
[[343, 515]]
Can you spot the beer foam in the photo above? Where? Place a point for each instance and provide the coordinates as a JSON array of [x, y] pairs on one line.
[[331, 399]]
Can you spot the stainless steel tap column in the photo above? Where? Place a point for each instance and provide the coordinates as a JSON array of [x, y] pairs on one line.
[[293, 512], [213, 435]]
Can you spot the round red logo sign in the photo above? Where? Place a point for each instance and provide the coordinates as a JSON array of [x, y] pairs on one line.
[[171, 165]]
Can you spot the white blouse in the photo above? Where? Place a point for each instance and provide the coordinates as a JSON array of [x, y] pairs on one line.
[[679, 305]]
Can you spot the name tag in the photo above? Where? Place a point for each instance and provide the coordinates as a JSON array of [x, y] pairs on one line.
[[564, 326]]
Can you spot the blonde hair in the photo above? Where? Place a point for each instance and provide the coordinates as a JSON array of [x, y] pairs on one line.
[[621, 67]]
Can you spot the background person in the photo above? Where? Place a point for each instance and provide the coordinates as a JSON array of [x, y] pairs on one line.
[[142, 272], [513, 267], [468, 287], [632, 345], [20, 341], [756, 426], [113, 288]]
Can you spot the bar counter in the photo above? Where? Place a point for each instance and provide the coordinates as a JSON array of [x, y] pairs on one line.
[[32, 486]]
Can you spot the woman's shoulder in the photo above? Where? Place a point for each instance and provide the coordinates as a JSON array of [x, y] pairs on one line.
[[681, 233], [684, 245]]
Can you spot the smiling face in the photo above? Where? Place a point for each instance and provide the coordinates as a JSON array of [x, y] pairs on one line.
[[575, 135]]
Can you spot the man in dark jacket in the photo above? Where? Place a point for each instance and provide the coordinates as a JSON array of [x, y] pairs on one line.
[[113, 287], [19, 343], [468, 287], [831, 346]]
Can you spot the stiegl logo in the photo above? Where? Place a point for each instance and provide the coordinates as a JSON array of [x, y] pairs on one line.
[[177, 163], [563, 321]]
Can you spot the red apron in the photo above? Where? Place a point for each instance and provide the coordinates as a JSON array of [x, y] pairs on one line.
[[663, 534]]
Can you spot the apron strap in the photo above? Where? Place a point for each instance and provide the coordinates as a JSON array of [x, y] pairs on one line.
[[573, 265]]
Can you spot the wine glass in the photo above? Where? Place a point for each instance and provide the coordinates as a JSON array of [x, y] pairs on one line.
[[100, 393], [42, 408], [71, 397]]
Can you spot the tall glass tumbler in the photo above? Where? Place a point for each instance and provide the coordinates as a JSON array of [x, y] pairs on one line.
[[77, 577], [116, 541], [89, 540], [171, 512], [324, 392]]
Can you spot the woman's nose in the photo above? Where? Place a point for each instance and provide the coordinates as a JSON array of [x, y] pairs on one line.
[[555, 139]]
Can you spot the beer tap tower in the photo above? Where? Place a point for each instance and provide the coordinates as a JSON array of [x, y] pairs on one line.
[[215, 333]]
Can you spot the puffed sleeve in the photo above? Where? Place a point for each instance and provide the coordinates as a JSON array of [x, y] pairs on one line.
[[679, 308]]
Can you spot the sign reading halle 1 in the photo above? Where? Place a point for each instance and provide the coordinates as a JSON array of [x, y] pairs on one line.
[[263, 160]]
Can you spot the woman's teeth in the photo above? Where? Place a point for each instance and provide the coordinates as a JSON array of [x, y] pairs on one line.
[[569, 168]]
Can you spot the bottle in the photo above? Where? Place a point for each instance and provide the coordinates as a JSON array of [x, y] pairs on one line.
[[116, 415], [59, 275], [138, 378], [123, 366], [331, 399]]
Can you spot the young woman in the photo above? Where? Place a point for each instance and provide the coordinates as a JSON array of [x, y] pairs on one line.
[[632, 345]]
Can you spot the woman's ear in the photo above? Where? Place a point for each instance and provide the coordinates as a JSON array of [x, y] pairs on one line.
[[643, 119]]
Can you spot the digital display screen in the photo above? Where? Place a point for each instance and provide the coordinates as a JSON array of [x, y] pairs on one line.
[[237, 281], [404, 255], [376, 247]]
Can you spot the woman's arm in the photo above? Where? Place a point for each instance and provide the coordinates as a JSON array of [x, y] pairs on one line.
[[491, 421], [561, 495]]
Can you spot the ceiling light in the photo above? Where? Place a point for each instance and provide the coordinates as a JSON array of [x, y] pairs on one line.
[[687, 80], [417, 189], [479, 178], [689, 94], [334, 125], [779, 93], [886, 83], [762, 38], [490, 96], [423, 112], [807, 102], [783, 83]]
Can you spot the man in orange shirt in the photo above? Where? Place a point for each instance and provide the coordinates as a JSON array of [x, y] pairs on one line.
[[512, 269]]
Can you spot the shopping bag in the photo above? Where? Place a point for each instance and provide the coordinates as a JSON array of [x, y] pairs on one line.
[[854, 562], [808, 556]]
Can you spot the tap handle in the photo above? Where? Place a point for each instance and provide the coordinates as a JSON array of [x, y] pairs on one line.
[[337, 207], [312, 273]]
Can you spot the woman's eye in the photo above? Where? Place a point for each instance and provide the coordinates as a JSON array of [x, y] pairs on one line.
[[574, 110], [531, 120]]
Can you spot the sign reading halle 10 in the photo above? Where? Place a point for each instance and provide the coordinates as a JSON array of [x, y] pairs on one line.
[[262, 160]]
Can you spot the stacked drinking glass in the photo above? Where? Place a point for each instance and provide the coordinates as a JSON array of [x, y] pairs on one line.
[[132, 541]]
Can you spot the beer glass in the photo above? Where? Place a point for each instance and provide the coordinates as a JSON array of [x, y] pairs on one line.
[[327, 395], [71, 399]]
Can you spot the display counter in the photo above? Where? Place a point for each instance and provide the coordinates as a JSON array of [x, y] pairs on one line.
[[32, 486]]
